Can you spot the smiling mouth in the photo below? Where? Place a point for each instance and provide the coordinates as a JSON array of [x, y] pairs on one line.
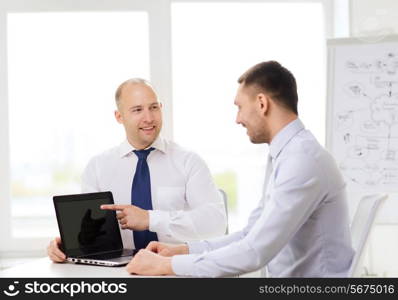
[[147, 129]]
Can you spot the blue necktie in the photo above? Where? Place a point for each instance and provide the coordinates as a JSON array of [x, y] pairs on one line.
[[141, 196]]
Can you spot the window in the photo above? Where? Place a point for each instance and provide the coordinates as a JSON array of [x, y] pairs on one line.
[[212, 45], [63, 70]]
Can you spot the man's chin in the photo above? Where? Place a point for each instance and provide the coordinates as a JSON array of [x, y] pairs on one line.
[[257, 140], [149, 138]]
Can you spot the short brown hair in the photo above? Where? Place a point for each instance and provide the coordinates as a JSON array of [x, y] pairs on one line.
[[274, 80]]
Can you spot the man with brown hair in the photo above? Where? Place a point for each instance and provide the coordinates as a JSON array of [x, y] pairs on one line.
[[300, 227]]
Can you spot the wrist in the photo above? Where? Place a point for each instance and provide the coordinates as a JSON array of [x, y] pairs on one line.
[[146, 219], [166, 265], [184, 249]]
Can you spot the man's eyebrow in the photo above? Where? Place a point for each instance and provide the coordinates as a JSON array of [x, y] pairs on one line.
[[135, 106]]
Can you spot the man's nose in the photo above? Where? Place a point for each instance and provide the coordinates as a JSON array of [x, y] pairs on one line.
[[148, 116], [237, 119]]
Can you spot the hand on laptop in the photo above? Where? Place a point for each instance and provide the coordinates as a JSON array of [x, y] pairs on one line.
[[54, 252], [148, 263], [130, 216], [167, 250]]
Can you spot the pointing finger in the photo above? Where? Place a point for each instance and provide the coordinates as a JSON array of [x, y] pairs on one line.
[[113, 207]]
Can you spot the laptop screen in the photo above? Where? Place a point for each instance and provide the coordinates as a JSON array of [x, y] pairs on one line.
[[86, 229]]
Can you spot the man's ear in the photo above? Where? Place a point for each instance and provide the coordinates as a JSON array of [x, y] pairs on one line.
[[263, 103], [118, 117]]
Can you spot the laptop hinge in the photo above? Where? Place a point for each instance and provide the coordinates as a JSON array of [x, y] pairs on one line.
[[100, 253]]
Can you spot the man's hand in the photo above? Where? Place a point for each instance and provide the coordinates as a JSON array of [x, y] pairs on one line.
[[54, 252], [167, 250], [148, 263], [130, 216]]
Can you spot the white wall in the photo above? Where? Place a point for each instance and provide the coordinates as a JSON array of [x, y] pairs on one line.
[[377, 18], [372, 17]]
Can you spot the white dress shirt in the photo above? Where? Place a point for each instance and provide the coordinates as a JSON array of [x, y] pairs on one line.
[[300, 227], [186, 203]]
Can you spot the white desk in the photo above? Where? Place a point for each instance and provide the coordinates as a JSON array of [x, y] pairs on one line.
[[43, 267]]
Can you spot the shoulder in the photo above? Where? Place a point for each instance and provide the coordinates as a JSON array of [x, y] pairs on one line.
[[182, 155], [177, 150], [105, 157], [305, 145], [304, 156]]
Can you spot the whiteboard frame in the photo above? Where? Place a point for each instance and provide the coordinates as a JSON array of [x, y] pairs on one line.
[[387, 215]]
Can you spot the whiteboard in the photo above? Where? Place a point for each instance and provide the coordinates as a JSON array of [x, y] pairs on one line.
[[362, 114]]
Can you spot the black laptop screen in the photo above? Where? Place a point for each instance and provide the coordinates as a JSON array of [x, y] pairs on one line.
[[85, 228]]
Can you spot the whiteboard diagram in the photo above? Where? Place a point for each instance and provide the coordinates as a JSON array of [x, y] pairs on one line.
[[363, 112]]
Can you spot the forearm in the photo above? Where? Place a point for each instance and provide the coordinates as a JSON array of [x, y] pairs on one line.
[[236, 258], [197, 247], [182, 226], [222, 241]]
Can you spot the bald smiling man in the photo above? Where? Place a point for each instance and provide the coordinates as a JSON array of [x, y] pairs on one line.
[[162, 191]]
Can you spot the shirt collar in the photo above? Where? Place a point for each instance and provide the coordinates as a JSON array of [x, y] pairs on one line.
[[126, 148], [284, 136]]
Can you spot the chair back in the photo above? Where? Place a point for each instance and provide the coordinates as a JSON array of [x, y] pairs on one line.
[[361, 227]]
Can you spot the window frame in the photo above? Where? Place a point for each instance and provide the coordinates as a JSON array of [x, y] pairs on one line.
[[160, 70]]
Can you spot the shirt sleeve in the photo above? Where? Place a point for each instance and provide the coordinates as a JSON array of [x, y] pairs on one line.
[[89, 178], [296, 192], [205, 215], [197, 247]]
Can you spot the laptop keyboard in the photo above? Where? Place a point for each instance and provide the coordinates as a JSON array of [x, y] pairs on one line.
[[110, 255]]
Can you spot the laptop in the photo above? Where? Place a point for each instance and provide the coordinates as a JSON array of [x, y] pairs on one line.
[[89, 234]]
